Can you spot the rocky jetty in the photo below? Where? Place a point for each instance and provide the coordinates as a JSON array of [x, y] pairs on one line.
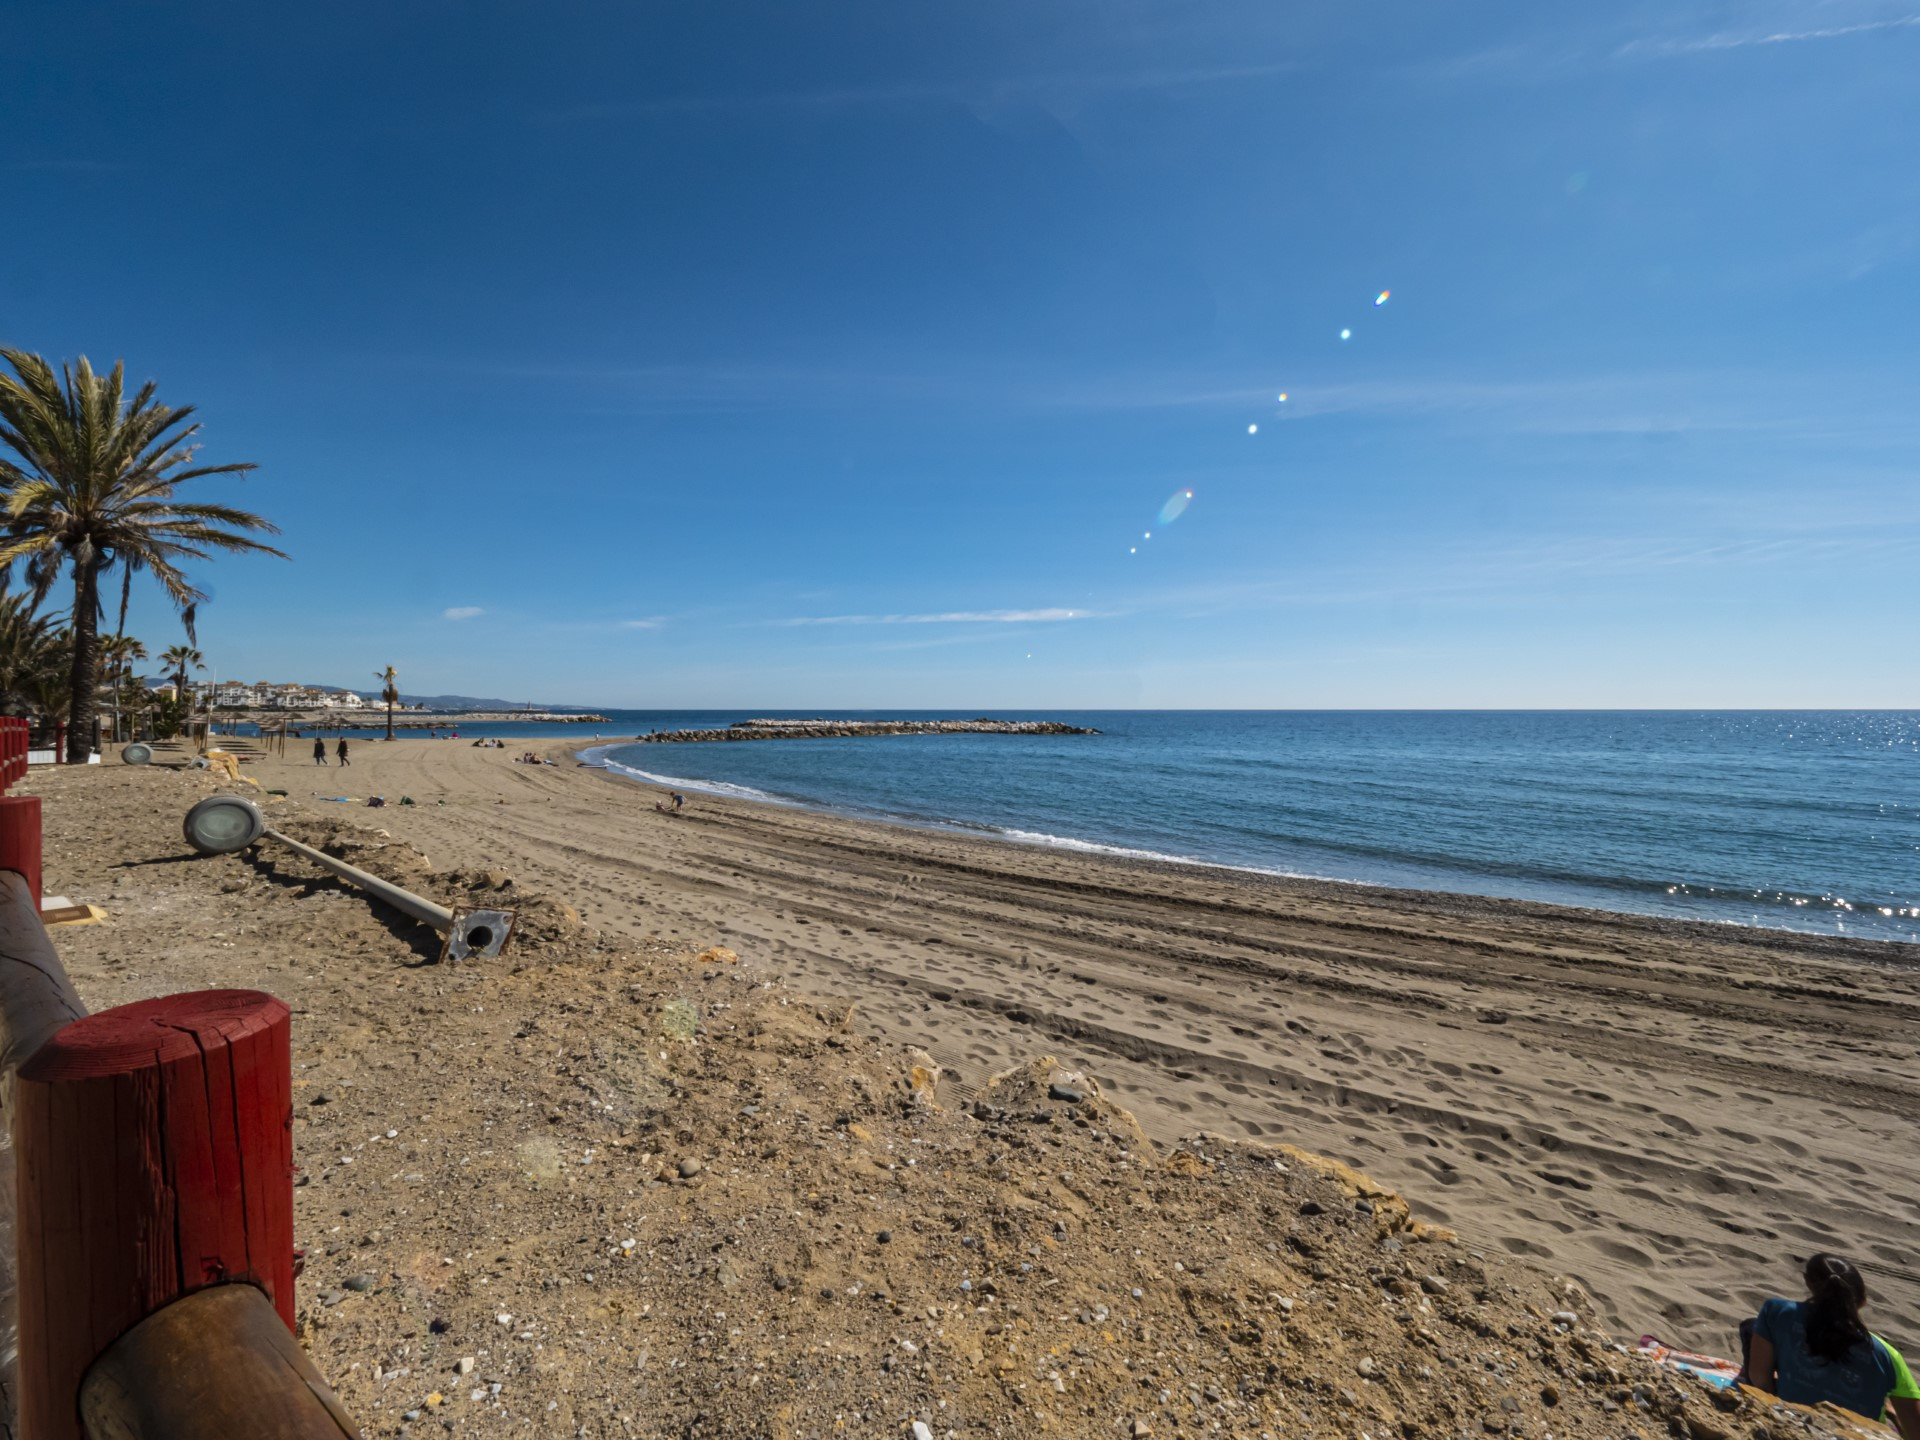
[[841, 729]]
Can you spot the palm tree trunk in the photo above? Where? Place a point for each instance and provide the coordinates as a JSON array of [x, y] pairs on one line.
[[389, 719], [85, 703], [120, 635]]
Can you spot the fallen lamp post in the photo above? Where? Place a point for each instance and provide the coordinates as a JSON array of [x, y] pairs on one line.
[[225, 824]]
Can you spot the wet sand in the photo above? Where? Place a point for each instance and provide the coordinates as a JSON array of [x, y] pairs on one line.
[[1670, 1113]]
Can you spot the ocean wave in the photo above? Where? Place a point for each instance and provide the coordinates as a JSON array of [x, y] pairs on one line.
[[703, 787]]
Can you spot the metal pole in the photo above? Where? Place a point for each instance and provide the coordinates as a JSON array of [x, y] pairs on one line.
[[223, 824], [405, 901]]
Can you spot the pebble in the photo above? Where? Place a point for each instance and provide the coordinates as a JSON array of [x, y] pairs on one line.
[[1366, 1367], [1566, 1318], [1433, 1285], [464, 1365], [359, 1283], [1312, 1207], [689, 1168], [503, 1319], [332, 1297], [885, 1237], [1071, 1094], [920, 1431], [1549, 1395], [1141, 1428]]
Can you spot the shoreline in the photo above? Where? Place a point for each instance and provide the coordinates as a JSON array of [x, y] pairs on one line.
[[1659, 1110], [1872, 948]]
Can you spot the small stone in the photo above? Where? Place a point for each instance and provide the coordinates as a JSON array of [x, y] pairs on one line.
[[1549, 1395], [332, 1297], [689, 1168], [1141, 1428], [503, 1319], [464, 1365], [411, 1415], [1312, 1207], [966, 1285], [1566, 1318], [1365, 1207], [1433, 1285], [1366, 1367], [920, 1431], [780, 1282], [1509, 1404], [359, 1283], [1069, 1093], [885, 1237], [1138, 1293]]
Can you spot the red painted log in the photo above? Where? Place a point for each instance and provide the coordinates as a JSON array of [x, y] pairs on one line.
[[20, 840], [155, 1146]]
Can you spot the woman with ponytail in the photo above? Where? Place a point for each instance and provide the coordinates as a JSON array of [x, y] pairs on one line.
[[1816, 1349]]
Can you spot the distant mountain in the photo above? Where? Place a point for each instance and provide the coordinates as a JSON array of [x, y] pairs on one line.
[[447, 702]]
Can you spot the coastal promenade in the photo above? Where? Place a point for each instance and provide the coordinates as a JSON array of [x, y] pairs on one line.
[[1663, 1110]]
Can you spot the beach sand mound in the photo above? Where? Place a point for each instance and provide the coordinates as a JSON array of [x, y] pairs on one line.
[[611, 1189]]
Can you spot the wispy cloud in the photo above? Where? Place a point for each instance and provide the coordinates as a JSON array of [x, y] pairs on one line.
[[977, 91], [1730, 40], [462, 612], [653, 623], [946, 617]]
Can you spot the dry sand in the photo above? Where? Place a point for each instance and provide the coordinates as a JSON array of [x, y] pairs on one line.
[[1670, 1113], [611, 1186]]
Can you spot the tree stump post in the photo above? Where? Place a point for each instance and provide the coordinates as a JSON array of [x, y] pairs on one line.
[[155, 1149], [20, 840]]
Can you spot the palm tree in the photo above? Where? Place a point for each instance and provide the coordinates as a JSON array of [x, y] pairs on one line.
[[31, 646], [117, 654], [389, 678], [93, 485], [179, 659]]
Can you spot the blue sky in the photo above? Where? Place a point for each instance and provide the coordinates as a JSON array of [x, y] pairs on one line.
[[842, 354]]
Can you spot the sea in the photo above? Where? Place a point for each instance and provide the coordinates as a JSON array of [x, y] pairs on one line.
[[1798, 820]]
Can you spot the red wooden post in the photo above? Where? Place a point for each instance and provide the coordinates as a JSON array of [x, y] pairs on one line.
[[155, 1149], [20, 839]]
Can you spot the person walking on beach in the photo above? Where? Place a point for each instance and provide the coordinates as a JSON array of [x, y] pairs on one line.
[[341, 751], [319, 751], [1806, 1351]]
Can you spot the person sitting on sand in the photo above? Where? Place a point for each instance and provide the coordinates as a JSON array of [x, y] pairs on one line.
[[1807, 1351], [319, 751], [673, 804]]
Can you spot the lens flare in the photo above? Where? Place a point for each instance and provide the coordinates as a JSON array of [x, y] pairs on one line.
[[1381, 298], [1176, 506], [1253, 429], [1283, 397], [1346, 334]]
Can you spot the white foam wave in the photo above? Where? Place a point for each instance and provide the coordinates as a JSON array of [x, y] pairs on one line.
[[1093, 847], [704, 787]]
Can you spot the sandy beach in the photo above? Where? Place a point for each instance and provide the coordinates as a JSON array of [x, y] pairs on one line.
[[1667, 1112]]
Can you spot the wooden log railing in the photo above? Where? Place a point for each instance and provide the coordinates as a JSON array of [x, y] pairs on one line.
[[151, 1207]]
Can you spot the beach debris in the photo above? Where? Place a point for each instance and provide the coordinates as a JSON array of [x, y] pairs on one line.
[[225, 824], [716, 955], [680, 1019]]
